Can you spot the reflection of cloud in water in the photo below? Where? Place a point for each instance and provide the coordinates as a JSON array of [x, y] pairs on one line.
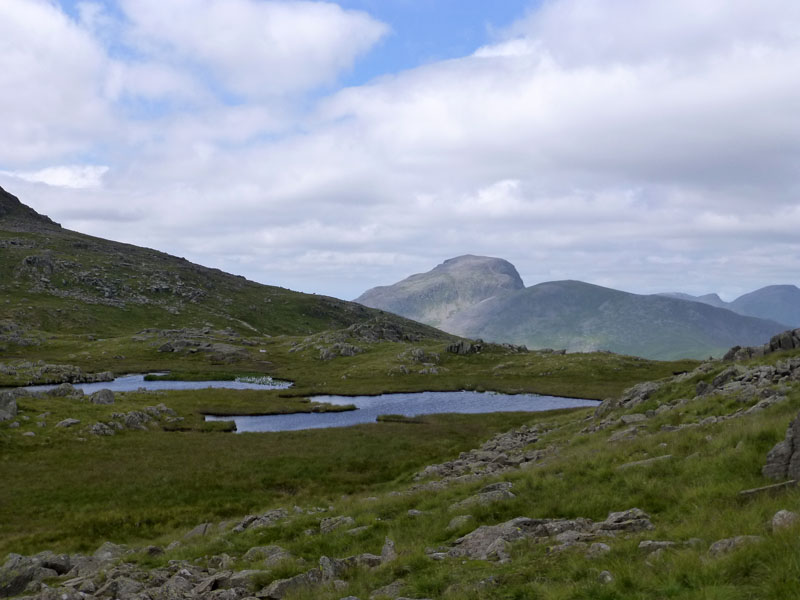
[[131, 383], [422, 403]]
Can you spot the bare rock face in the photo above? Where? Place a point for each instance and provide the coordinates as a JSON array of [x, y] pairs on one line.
[[783, 461]]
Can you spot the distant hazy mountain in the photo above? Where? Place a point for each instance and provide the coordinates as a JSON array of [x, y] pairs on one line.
[[565, 314], [453, 286], [779, 303], [581, 317], [710, 299]]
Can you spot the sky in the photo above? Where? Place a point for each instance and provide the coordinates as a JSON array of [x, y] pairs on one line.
[[329, 147]]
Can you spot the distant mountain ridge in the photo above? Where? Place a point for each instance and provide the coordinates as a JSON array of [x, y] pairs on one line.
[[777, 302], [574, 315]]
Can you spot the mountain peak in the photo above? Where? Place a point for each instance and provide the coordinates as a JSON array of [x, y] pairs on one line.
[[487, 265], [12, 211], [452, 286]]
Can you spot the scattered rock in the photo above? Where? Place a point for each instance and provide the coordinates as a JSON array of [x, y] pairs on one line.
[[458, 522], [199, 531], [279, 588], [650, 546], [488, 495], [333, 523], [727, 545], [68, 423], [784, 519], [783, 461], [101, 429], [605, 577], [109, 551], [264, 520], [8, 405], [102, 397], [388, 552], [465, 347], [633, 519], [598, 549], [625, 434]]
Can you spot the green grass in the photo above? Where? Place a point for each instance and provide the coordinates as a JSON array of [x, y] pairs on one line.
[[144, 487], [63, 493]]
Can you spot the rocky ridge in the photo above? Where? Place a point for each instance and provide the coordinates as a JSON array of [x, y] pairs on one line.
[[786, 340]]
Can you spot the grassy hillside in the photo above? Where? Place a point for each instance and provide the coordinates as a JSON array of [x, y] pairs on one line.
[[67, 491]]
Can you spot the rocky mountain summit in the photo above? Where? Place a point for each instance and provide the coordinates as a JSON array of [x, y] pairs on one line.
[[453, 286], [571, 315]]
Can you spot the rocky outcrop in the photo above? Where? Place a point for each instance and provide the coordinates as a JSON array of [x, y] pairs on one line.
[[490, 542], [757, 388], [783, 461], [722, 547], [13, 333], [495, 492], [8, 405], [630, 398], [339, 349], [263, 520], [135, 420], [787, 340], [102, 397], [330, 524], [465, 347], [507, 450], [40, 373]]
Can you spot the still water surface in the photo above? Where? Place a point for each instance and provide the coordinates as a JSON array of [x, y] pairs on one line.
[[410, 405], [131, 383]]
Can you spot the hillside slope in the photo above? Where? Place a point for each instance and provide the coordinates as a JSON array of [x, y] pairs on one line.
[[61, 281], [451, 287]]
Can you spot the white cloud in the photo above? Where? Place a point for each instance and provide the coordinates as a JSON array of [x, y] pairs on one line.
[[67, 176], [52, 76], [255, 48], [643, 144]]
